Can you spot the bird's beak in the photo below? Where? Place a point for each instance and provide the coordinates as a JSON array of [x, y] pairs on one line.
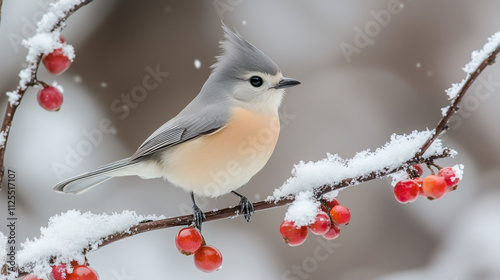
[[287, 82]]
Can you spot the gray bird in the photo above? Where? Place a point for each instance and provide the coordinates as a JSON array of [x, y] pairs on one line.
[[220, 140]]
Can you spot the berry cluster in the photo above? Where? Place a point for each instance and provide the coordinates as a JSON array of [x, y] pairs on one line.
[[49, 97], [432, 186], [324, 224], [190, 241], [60, 272]]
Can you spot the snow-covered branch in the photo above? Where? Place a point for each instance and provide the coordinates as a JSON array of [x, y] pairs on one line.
[[479, 60], [72, 235], [44, 41]]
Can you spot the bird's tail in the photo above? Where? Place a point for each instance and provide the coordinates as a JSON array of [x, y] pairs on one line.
[[84, 182]]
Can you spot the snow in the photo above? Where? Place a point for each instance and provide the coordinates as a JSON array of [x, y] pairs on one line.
[[398, 176], [58, 86], [55, 12], [459, 172], [13, 97], [477, 57], [329, 196], [3, 135], [444, 110], [304, 209], [68, 234], [197, 63], [309, 177], [452, 92]]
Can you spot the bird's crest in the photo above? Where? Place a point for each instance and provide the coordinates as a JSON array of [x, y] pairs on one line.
[[239, 56]]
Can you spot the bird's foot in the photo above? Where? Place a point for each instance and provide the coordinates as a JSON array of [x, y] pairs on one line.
[[246, 206], [198, 216]]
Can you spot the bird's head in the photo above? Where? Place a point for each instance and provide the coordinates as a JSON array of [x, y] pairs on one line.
[[251, 79]]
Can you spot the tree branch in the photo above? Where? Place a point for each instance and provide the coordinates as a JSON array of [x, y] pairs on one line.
[[21, 88], [232, 212]]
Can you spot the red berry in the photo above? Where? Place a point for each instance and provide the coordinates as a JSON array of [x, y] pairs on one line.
[[419, 182], [82, 272], [332, 203], [332, 233], [434, 186], [59, 271], [208, 259], [292, 235], [450, 178], [419, 169], [56, 62], [50, 98], [340, 215], [188, 240], [30, 277], [406, 191], [321, 225]]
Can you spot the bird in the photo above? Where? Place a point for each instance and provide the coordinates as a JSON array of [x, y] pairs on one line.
[[220, 140]]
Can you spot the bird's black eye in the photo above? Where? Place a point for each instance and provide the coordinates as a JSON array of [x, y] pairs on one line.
[[256, 81]]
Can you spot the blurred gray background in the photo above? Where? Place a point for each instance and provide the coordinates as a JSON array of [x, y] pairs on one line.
[[406, 54]]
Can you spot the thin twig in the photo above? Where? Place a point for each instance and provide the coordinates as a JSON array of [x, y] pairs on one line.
[[442, 126], [11, 108]]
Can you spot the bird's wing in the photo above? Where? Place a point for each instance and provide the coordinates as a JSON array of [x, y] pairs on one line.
[[182, 128]]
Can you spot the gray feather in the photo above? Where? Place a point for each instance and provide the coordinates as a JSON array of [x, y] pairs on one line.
[[190, 123], [84, 182], [239, 55]]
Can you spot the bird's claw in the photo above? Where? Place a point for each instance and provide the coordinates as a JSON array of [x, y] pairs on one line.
[[198, 216], [246, 208]]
